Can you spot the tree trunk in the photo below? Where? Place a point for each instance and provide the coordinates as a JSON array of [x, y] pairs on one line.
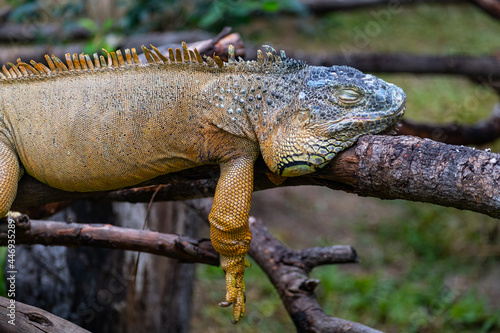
[[95, 289]]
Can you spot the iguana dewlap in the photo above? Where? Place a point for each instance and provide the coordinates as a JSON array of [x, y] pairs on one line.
[[109, 123]]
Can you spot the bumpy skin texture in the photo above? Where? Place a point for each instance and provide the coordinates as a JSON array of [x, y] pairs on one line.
[[93, 129]]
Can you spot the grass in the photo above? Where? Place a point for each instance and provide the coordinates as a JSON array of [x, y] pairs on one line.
[[419, 28], [423, 267]]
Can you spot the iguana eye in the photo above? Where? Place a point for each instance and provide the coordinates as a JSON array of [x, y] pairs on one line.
[[349, 96]]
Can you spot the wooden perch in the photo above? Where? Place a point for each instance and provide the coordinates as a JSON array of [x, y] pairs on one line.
[[477, 134], [111, 237], [296, 289], [381, 166], [286, 268], [29, 319]]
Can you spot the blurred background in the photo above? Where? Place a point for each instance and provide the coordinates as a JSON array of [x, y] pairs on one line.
[[423, 268]]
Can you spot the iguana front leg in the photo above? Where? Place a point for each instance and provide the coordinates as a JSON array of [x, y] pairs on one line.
[[229, 230], [9, 177]]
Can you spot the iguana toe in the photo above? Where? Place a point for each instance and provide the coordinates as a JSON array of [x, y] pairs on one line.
[[234, 267]]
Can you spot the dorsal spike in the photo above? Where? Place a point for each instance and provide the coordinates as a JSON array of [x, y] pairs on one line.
[[260, 57], [270, 57], [60, 65], [31, 70], [97, 63], [14, 68], [171, 56], [199, 58], [110, 60], [76, 62], [128, 57], [160, 55], [192, 57], [270, 50], [283, 55], [230, 51], [69, 62], [178, 56], [121, 61], [147, 53], [185, 52], [50, 63], [135, 57], [210, 62], [103, 61], [83, 63], [40, 67], [6, 72], [21, 68], [218, 61], [115, 60], [155, 58], [13, 73], [3, 77], [90, 64]]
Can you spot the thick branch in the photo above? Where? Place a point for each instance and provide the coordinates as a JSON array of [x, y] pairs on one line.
[[480, 133], [111, 237], [295, 287], [29, 319], [380, 166]]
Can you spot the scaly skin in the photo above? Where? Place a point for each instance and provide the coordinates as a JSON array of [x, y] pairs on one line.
[[94, 129]]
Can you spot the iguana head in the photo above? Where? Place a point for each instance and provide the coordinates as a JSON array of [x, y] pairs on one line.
[[334, 107]]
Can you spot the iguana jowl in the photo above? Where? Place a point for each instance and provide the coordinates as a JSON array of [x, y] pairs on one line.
[[111, 123]]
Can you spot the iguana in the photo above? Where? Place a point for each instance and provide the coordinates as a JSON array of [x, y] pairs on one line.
[[112, 122]]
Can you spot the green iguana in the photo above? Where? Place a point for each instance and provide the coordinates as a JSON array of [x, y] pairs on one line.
[[107, 123]]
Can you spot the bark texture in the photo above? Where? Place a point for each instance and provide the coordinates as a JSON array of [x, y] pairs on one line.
[[386, 167], [29, 319], [424, 170], [182, 248], [296, 289]]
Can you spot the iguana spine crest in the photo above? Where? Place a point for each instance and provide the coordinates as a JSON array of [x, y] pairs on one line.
[[115, 60]]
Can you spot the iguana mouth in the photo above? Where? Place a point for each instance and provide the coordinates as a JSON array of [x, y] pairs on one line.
[[373, 117]]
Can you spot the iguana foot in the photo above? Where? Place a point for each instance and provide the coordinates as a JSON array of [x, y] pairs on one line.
[[234, 267]]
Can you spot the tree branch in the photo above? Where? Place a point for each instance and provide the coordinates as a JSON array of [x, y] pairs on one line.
[[29, 319], [53, 233], [296, 289], [386, 167], [477, 134], [287, 269]]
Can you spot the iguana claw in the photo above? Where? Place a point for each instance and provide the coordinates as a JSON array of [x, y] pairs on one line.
[[234, 268]]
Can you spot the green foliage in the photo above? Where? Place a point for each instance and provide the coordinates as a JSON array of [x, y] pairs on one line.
[[205, 14], [263, 308], [30, 11], [102, 36]]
